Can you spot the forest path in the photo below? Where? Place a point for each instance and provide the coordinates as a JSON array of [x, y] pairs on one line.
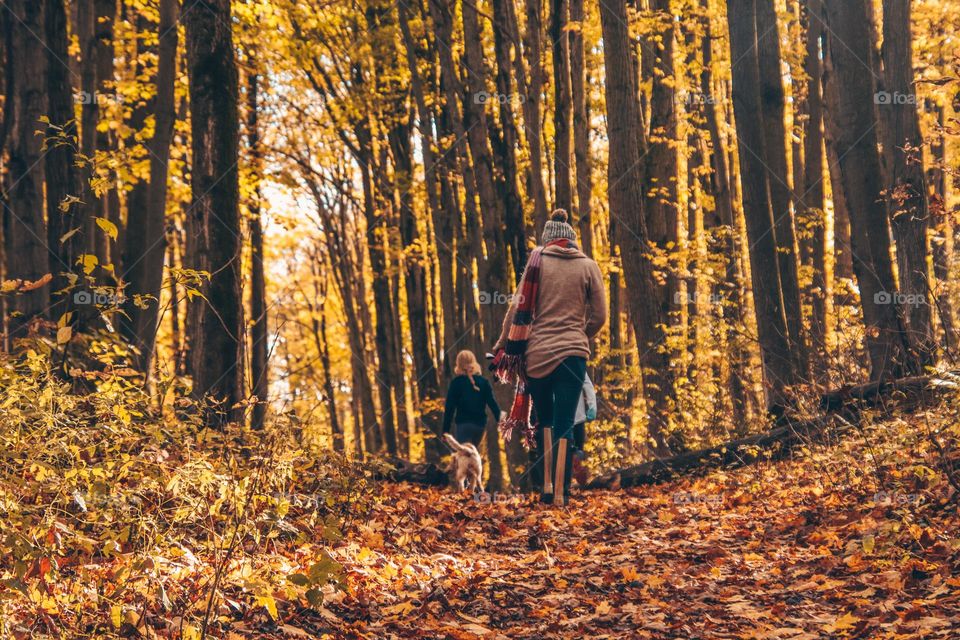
[[773, 551]]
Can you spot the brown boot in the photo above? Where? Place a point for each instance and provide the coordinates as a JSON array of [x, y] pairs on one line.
[[559, 495], [547, 496]]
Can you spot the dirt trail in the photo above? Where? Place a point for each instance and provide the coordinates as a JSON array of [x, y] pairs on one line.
[[772, 552]]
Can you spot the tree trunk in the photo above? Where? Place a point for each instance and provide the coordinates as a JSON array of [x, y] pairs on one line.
[[562, 104], [581, 128], [513, 220], [532, 45], [625, 192], [62, 175], [492, 265], [813, 200], [906, 187], [259, 371], [108, 205], [853, 120], [775, 348], [772, 105], [24, 231], [145, 247], [943, 241], [216, 325], [723, 202]]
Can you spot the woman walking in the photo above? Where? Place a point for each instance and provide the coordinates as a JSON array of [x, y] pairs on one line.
[[545, 343], [468, 397]]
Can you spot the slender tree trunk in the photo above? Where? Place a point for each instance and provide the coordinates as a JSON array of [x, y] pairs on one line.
[[562, 104], [813, 199], [842, 249], [625, 192], [105, 14], [514, 226], [943, 241], [662, 168], [24, 231], [775, 349], [216, 325], [906, 189], [772, 105], [853, 119], [259, 370], [723, 201], [62, 175], [145, 247], [581, 127], [532, 45]]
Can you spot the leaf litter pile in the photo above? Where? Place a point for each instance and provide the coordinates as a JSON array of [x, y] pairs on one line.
[[802, 549], [860, 539]]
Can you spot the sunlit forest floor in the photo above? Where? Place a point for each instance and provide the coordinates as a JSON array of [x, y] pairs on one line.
[[118, 524], [807, 548]]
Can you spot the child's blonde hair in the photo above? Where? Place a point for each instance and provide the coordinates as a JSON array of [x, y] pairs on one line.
[[467, 365]]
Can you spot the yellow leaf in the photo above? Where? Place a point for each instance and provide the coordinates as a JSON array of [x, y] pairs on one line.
[[868, 543], [64, 334], [108, 227], [89, 262], [116, 616], [846, 621], [270, 605]]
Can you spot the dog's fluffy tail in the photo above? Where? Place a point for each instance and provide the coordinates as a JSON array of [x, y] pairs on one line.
[[452, 442]]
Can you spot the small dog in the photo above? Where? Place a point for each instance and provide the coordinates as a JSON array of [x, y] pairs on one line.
[[466, 465]]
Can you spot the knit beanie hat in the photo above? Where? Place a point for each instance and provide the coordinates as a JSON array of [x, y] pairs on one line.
[[557, 227]]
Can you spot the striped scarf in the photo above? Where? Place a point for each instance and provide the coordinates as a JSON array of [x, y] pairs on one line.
[[510, 363]]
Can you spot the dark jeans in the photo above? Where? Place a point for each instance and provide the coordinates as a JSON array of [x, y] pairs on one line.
[[555, 400], [469, 432], [555, 397], [579, 435]]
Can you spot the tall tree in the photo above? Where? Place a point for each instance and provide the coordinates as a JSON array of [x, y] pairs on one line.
[[216, 325], [24, 231], [144, 250], [775, 348], [906, 186], [850, 95], [533, 51], [62, 175], [773, 113], [813, 198], [625, 193], [581, 126], [562, 104], [259, 371]]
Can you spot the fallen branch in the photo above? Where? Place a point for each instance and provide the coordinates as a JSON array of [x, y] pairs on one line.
[[842, 411]]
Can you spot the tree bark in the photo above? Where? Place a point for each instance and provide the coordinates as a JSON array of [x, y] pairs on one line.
[[24, 231], [813, 199], [906, 187], [772, 105], [145, 247], [581, 128], [259, 369], [625, 193], [775, 348], [62, 175], [853, 120], [532, 45], [108, 205], [562, 105], [216, 325]]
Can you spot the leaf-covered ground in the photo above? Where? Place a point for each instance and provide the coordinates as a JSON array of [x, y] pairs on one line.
[[842, 543]]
